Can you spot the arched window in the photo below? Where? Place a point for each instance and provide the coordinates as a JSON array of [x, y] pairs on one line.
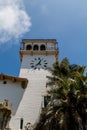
[[28, 47], [42, 47], [35, 47]]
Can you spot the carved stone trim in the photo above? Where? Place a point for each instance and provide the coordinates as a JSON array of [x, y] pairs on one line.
[[5, 115]]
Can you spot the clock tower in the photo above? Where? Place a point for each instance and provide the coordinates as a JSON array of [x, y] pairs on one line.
[[36, 55]]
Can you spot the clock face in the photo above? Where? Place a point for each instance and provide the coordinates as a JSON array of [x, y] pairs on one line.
[[38, 63]]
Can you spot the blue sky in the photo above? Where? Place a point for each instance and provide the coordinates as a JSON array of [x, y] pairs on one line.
[[64, 20]]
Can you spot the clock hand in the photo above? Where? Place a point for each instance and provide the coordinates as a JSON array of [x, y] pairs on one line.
[[39, 63]]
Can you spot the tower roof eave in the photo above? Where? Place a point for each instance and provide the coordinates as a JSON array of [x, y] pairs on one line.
[[14, 79]]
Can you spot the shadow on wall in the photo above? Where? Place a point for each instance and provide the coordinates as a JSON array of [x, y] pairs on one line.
[[13, 92]]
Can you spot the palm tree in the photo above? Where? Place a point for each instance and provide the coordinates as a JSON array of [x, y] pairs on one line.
[[67, 109]]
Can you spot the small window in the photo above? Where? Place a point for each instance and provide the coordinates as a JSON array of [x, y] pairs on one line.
[[4, 82], [35, 47], [21, 123], [42, 47], [29, 47], [45, 101]]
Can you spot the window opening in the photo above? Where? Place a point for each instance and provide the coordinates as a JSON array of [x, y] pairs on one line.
[[45, 101], [42, 47], [29, 47], [35, 47], [21, 123], [4, 82]]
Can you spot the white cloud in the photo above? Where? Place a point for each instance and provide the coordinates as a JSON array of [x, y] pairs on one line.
[[14, 21]]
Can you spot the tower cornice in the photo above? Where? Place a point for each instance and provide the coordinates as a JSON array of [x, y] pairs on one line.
[[27, 52], [39, 40]]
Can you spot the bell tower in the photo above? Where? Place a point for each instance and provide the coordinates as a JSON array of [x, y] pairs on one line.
[[36, 55]]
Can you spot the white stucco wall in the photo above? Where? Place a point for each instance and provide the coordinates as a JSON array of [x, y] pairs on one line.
[[13, 92], [31, 102]]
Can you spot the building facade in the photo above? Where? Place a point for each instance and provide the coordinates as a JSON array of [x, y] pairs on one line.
[[28, 92]]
